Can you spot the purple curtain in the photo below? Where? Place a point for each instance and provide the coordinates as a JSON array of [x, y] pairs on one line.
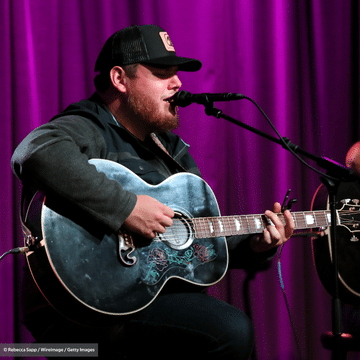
[[299, 60]]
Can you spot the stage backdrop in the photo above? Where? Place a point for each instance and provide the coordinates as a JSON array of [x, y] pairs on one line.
[[299, 60]]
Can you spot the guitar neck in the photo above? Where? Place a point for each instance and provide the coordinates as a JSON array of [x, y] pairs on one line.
[[207, 227]]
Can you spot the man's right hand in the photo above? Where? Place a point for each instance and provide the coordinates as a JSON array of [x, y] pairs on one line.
[[149, 217]]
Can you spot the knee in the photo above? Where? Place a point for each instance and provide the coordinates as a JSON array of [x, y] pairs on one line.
[[238, 341]]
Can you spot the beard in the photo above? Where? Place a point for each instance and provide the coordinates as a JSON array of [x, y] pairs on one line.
[[148, 112]]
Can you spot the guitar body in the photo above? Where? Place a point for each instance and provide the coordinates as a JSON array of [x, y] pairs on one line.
[[348, 240], [85, 271], [91, 274]]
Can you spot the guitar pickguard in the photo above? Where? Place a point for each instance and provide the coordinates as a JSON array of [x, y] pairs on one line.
[[159, 259]]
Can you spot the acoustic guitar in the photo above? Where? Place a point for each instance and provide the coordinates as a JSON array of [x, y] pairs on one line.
[[85, 271], [348, 243]]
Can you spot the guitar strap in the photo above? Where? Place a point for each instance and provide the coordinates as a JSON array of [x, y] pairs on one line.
[[158, 143], [162, 147]]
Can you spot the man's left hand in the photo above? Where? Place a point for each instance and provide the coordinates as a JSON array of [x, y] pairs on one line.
[[276, 234]]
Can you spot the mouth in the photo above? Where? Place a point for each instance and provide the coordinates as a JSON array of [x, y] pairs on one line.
[[171, 101]]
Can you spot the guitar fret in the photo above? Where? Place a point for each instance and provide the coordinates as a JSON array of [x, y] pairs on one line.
[[328, 218], [237, 224], [301, 220], [221, 227], [203, 228], [259, 223], [211, 227], [296, 222], [214, 226], [248, 225], [250, 220], [253, 224], [312, 219], [228, 224]]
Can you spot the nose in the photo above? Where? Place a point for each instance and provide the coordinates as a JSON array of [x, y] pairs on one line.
[[175, 82]]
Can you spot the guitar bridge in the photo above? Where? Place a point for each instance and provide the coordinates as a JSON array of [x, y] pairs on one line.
[[126, 248]]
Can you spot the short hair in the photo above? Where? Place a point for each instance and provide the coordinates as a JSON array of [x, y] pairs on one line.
[[102, 80]]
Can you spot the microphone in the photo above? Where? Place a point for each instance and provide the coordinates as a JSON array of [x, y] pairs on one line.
[[184, 98]]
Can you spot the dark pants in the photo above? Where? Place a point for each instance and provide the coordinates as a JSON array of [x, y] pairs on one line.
[[174, 326], [351, 319]]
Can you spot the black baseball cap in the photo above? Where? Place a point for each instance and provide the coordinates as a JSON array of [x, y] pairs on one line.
[[145, 44]]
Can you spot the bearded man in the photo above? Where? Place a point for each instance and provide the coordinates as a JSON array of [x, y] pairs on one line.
[[129, 121]]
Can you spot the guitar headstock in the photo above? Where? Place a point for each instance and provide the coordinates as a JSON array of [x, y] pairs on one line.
[[349, 215], [354, 202]]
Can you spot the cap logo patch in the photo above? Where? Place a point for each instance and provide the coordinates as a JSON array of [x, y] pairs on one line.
[[166, 40]]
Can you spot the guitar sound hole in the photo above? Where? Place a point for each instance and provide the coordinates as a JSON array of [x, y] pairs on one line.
[[179, 236]]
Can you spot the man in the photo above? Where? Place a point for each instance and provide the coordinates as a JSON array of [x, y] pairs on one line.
[[128, 120]]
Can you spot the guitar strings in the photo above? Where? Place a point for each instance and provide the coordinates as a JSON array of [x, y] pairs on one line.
[[201, 227]]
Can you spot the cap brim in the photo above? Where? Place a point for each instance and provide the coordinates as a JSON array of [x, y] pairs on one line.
[[184, 64]]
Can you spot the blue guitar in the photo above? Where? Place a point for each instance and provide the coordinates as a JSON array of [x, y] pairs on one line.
[[84, 270]]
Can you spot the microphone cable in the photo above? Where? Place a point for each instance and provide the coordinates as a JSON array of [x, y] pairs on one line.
[[292, 324], [285, 142]]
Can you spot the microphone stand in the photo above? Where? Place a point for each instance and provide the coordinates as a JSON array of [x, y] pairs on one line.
[[338, 173]]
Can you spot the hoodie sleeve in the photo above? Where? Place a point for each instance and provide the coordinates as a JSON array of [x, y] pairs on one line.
[[54, 159]]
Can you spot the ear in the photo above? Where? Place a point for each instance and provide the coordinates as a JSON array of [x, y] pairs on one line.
[[118, 78]]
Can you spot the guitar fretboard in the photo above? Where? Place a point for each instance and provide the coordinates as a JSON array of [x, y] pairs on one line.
[[208, 227]]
